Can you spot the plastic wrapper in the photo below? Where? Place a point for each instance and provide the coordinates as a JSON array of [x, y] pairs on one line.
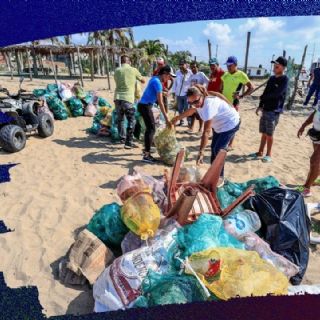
[[206, 232], [76, 107], [167, 145], [141, 215], [304, 289], [106, 224], [254, 243], [191, 174], [64, 91], [119, 286], [230, 191], [90, 110], [285, 225], [57, 107], [172, 288], [130, 185], [237, 224], [230, 273]]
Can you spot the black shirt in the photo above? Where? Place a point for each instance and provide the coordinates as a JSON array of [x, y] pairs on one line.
[[274, 94], [316, 77]]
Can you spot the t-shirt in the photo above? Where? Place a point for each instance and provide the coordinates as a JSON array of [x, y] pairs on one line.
[[316, 76], [125, 78], [165, 84], [224, 117], [231, 83], [274, 95], [181, 83], [199, 78], [215, 81], [154, 87]]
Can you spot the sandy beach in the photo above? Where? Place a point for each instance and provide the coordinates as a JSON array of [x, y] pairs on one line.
[[62, 180]]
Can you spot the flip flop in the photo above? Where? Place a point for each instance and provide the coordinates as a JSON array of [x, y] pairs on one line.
[[266, 159], [317, 182]]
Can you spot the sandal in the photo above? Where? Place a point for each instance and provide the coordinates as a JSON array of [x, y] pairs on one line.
[[317, 182], [266, 159], [304, 191]]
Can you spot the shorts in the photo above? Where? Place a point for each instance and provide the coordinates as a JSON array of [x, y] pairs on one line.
[[268, 122]]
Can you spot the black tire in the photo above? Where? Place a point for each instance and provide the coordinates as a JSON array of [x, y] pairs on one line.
[[46, 126], [12, 138]]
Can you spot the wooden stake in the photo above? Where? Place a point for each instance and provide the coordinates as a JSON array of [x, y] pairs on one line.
[[216, 51], [17, 62], [209, 49], [8, 58], [53, 67], [247, 52], [29, 66], [80, 67], [92, 65], [107, 63]]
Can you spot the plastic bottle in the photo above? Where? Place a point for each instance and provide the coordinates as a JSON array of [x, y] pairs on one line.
[[237, 224]]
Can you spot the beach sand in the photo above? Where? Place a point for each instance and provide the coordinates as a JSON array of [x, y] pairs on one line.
[[62, 180]]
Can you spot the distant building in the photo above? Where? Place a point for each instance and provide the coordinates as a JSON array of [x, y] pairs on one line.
[[257, 72]]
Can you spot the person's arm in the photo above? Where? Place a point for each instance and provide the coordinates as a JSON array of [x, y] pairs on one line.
[[250, 88], [171, 84], [204, 141], [274, 94], [139, 77], [188, 113], [163, 109], [305, 124]]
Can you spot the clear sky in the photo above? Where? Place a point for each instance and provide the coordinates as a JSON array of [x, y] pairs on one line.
[[268, 36]]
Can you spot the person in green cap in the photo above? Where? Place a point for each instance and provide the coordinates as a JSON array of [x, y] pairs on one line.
[[215, 81]]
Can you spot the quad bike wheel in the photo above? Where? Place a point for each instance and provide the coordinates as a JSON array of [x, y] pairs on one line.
[[46, 126], [12, 138]]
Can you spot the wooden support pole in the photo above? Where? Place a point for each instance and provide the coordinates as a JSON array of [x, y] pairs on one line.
[[209, 49], [291, 99], [80, 67], [29, 66], [92, 65], [107, 64], [216, 51], [247, 52], [8, 58], [53, 67], [17, 62], [284, 53]]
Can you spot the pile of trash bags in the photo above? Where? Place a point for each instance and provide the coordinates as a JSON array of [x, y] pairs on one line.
[[66, 101], [146, 259]]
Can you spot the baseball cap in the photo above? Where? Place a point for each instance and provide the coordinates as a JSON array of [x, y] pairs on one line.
[[182, 61], [280, 60], [231, 60], [213, 61], [167, 69], [160, 60]]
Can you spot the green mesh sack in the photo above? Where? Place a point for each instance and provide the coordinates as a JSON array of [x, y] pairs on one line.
[[167, 145], [79, 91], [57, 107], [52, 87], [107, 225], [76, 107], [171, 288], [39, 92], [231, 191], [207, 232], [114, 126], [103, 102], [96, 126]]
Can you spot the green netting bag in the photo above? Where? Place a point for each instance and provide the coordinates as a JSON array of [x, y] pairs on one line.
[[167, 145], [79, 91], [52, 87], [76, 107], [114, 126], [170, 288], [39, 92], [207, 232], [103, 102], [230, 190], [107, 225], [57, 107]]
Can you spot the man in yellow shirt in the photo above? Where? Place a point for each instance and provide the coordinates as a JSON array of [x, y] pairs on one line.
[[125, 78], [232, 82]]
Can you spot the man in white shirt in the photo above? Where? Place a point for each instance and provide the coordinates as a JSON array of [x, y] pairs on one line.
[[180, 87]]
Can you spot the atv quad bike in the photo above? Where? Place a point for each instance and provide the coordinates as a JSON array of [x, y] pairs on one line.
[[18, 116]]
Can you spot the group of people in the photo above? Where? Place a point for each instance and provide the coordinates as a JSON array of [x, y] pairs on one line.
[[214, 101]]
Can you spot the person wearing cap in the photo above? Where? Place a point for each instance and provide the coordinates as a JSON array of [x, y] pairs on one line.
[[232, 83], [271, 106], [180, 87], [198, 77], [215, 76], [314, 89], [125, 78], [166, 86], [152, 94]]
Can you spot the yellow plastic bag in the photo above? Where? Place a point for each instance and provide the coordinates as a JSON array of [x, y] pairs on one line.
[[141, 215], [230, 273]]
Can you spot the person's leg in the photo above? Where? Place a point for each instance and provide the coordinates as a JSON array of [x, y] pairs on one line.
[[316, 96], [309, 95], [180, 107], [314, 167], [130, 115], [272, 121], [200, 125], [263, 142], [120, 120], [148, 119]]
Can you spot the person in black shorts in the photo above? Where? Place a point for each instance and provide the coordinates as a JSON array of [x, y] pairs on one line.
[[271, 106]]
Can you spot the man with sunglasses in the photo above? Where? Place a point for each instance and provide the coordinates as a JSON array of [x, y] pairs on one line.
[[180, 87], [271, 106]]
